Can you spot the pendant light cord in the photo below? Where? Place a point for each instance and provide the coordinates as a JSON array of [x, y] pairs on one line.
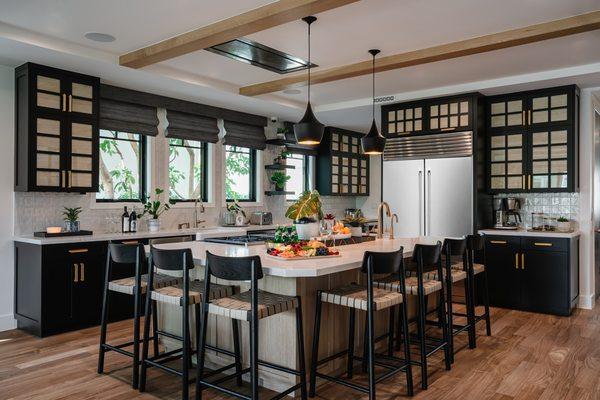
[[373, 110], [309, 64]]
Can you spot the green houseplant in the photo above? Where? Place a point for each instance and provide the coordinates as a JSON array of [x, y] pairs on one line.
[[279, 179], [235, 214], [564, 225], [356, 223], [71, 218], [306, 212], [155, 208]]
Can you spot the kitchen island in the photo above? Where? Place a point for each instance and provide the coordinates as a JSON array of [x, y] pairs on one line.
[[277, 334]]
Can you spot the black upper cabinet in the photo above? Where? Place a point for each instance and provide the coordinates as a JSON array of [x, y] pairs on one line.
[[445, 114], [342, 168], [533, 141], [56, 130]]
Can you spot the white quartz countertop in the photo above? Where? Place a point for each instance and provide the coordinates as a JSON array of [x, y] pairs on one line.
[[351, 256], [199, 233], [523, 232]]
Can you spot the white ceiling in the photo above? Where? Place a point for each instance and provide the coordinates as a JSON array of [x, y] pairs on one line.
[[48, 30]]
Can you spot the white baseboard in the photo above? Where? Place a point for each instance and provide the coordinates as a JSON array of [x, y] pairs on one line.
[[586, 302], [7, 322]]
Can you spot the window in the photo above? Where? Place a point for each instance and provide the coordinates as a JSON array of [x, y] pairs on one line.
[[240, 173], [122, 170], [187, 170], [298, 182]]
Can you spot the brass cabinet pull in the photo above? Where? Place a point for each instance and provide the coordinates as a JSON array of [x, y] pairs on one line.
[[529, 186], [82, 272], [447, 129], [523, 183], [543, 244], [498, 241], [522, 260], [69, 173], [70, 103], [524, 116], [130, 242], [516, 260], [62, 183], [75, 273], [529, 118], [73, 251], [64, 102]]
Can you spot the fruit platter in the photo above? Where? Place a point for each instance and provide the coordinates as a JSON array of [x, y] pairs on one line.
[[301, 250], [338, 232]]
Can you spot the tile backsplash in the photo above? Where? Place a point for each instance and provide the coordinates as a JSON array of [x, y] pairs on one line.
[[552, 204]]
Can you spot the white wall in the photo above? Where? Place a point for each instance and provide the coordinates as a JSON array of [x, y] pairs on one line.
[[588, 103], [6, 198]]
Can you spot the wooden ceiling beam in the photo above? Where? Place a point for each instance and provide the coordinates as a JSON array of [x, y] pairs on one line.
[[502, 40], [259, 19]]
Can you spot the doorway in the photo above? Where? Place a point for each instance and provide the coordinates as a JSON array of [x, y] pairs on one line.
[[596, 197]]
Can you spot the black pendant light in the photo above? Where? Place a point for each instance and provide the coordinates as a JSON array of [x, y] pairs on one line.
[[373, 142], [309, 130]]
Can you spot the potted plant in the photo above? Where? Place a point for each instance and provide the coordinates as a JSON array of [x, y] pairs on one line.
[[356, 223], [279, 179], [155, 208], [71, 217], [281, 133], [306, 212], [235, 214], [564, 225], [282, 157]]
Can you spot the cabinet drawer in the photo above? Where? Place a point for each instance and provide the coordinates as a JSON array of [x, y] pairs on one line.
[[545, 244], [508, 242]]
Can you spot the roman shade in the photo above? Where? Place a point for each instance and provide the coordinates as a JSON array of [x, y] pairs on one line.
[[244, 135], [128, 117], [191, 127]]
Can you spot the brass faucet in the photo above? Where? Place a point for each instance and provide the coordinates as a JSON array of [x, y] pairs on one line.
[[380, 217], [392, 224]]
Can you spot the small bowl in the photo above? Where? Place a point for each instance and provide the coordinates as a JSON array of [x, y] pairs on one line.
[[54, 229]]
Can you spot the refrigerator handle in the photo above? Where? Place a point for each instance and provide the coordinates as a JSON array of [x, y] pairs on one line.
[[428, 199], [420, 203]]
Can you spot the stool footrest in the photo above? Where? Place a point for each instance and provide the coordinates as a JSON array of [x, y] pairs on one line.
[[117, 349], [224, 378]]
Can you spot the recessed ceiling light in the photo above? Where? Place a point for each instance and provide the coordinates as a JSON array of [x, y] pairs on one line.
[[292, 91], [100, 37]]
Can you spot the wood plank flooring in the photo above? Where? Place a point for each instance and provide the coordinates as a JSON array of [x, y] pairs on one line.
[[529, 356]]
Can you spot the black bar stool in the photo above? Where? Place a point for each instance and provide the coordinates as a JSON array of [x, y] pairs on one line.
[[367, 298], [252, 306], [454, 249], [134, 286], [475, 244], [426, 258], [183, 294]]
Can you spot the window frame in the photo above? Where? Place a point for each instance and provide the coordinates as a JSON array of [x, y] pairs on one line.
[[205, 159], [305, 175], [142, 168], [253, 170]]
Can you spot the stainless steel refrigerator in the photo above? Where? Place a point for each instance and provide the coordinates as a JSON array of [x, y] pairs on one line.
[[432, 195]]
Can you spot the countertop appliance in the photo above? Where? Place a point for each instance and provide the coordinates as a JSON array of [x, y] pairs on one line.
[[250, 239], [261, 218], [428, 181]]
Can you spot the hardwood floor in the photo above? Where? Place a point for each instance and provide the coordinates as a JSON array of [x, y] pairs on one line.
[[528, 356]]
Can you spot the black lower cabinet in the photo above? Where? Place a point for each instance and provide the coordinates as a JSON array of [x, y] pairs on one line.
[[536, 274], [58, 288]]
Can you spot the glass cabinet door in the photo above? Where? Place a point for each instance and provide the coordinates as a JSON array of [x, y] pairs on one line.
[[405, 121], [549, 109], [81, 99], [49, 145], [507, 113], [48, 93], [449, 115], [549, 159], [507, 162], [81, 155]]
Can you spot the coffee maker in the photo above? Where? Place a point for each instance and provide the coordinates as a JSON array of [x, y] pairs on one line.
[[506, 213]]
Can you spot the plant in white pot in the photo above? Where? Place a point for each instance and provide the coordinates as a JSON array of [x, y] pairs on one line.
[[234, 214], [564, 225], [356, 223], [306, 212], [155, 208]]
